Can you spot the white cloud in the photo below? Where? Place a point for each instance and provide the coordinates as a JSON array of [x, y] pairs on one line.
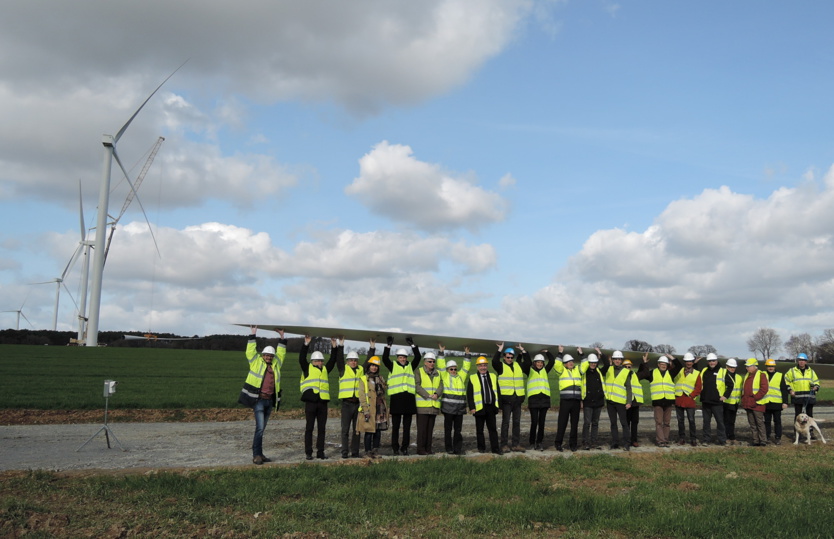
[[394, 183]]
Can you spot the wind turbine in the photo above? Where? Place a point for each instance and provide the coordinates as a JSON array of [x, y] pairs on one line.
[[110, 154], [20, 313]]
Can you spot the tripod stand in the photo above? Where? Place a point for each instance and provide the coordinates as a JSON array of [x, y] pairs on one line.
[[106, 428]]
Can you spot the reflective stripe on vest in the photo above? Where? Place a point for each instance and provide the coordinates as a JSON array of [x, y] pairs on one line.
[[720, 384], [662, 386], [477, 392], [570, 383], [511, 380], [774, 389], [594, 372], [316, 380], [756, 385], [538, 382], [616, 385], [349, 382], [454, 389], [685, 383], [735, 394], [800, 382], [401, 379], [637, 390], [431, 388]]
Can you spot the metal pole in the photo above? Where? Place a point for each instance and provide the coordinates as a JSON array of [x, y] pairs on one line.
[[101, 232]]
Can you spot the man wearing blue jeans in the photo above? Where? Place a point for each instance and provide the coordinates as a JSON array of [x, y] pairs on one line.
[[262, 388]]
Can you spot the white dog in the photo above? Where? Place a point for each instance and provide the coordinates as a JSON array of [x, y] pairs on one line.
[[803, 425]]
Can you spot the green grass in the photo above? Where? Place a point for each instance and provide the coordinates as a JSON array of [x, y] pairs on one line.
[[734, 493], [151, 378]]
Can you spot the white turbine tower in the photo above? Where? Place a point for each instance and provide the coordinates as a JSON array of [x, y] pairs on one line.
[[110, 153], [20, 313]]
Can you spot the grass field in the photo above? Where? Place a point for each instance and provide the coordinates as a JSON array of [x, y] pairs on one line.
[[734, 493], [156, 378]]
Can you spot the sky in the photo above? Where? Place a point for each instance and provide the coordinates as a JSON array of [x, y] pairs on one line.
[[557, 171]]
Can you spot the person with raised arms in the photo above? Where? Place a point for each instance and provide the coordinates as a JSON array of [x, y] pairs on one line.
[[511, 378], [453, 400], [402, 392], [315, 394]]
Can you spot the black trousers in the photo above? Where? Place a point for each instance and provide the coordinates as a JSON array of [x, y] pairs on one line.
[[568, 411], [511, 412], [452, 425], [395, 431], [617, 412], [350, 438], [716, 411], [633, 419], [776, 417], [537, 419], [683, 415], [316, 414], [425, 432], [590, 425], [730, 411], [486, 417]]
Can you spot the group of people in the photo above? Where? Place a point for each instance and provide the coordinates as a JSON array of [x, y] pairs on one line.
[[371, 403]]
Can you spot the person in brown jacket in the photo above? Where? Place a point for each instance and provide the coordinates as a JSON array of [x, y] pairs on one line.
[[753, 393], [373, 414]]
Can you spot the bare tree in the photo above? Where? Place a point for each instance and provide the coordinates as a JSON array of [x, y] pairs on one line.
[[802, 343], [664, 349], [596, 345], [636, 345], [824, 347], [701, 350], [766, 341]]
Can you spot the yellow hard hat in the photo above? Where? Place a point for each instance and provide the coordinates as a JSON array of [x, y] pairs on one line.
[[770, 363], [628, 363], [481, 361], [374, 361], [751, 362]]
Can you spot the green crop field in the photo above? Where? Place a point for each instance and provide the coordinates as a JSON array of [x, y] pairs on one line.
[[156, 378]]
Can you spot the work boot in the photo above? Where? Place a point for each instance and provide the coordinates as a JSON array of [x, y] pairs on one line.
[[681, 441], [258, 460], [559, 448]]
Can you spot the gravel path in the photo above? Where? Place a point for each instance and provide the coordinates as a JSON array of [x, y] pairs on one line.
[[151, 446]]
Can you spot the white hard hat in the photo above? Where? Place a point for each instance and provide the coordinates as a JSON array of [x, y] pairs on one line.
[[732, 362], [538, 357], [688, 357], [401, 352], [429, 355], [352, 355], [566, 358], [317, 356], [268, 350], [712, 357], [663, 359], [617, 355], [592, 358], [451, 363]]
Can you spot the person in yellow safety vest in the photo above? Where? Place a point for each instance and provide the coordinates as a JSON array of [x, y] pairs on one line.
[[714, 392], [570, 398], [429, 387], [753, 398], [777, 400], [349, 376], [662, 389], [803, 383], [618, 398], [402, 392], [511, 378], [538, 394], [453, 400], [482, 393], [315, 394], [372, 408], [687, 387], [633, 413], [262, 388], [593, 399], [732, 382]]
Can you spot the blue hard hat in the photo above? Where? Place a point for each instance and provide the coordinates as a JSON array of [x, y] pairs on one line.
[[509, 351], [801, 356]]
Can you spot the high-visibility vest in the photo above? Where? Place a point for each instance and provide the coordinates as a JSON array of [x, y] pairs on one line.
[[349, 382], [570, 381], [735, 394], [587, 371], [720, 384], [662, 386], [401, 379], [257, 368], [511, 379], [454, 388], [477, 393], [774, 389], [317, 380], [685, 383], [538, 382], [430, 385], [637, 390], [615, 386], [756, 385], [801, 382]]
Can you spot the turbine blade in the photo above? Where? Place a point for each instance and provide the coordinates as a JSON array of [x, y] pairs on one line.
[[70, 295], [48, 282], [126, 125], [81, 213], [138, 200], [27, 320], [72, 260]]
